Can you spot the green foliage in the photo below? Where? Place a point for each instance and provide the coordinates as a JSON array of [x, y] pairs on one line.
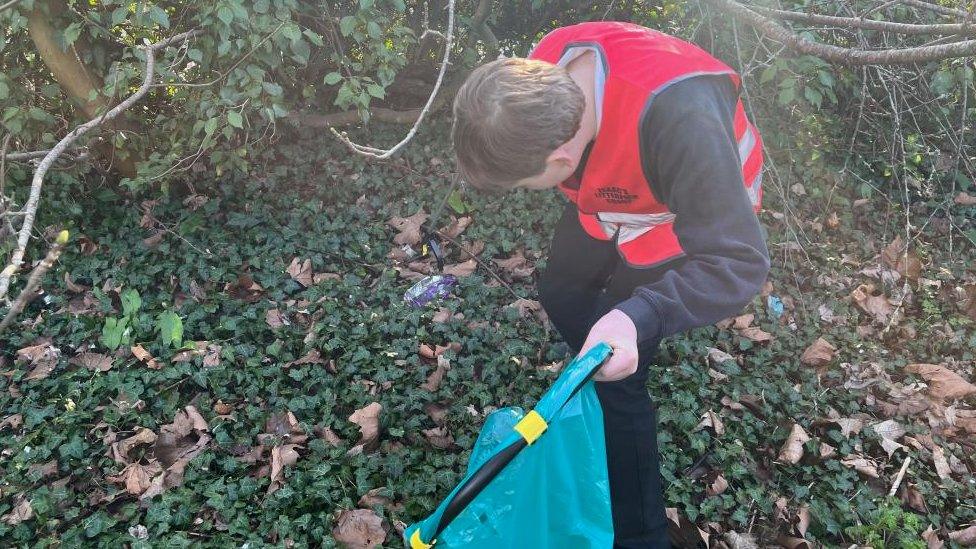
[[170, 328], [890, 526]]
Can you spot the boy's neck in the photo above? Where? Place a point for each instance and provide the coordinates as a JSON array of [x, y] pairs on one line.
[[581, 70]]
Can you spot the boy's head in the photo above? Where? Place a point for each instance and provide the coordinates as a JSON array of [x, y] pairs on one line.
[[511, 118]]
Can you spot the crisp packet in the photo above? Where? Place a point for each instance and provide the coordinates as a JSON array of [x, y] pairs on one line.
[[429, 288]]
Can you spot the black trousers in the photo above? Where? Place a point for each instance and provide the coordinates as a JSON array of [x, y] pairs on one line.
[[585, 278]]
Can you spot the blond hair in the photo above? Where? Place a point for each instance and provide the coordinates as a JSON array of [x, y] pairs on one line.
[[509, 115]]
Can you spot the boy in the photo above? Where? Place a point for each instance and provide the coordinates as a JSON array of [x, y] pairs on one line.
[[646, 136]]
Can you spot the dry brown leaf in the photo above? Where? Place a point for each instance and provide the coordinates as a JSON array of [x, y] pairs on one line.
[[965, 199], [861, 465], [792, 450], [461, 269], [283, 424], [119, 451], [72, 286], [434, 379], [889, 431], [180, 437], [14, 421], [827, 451], [330, 436], [517, 266], [311, 357], [878, 306], [848, 426], [711, 419], [244, 288], [717, 486], [820, 353], [222, 408], [43, 470], [965, 537], [359, 529], [281, 457], [718, 356], [944, 384], [368, 420], [439, 437], [212, 358], [300, 271], [931, 538], [136, 477], [442, 315], [409, 228], [375, 497], [41, 358], [742, 322], [457, 226], [833, 221], [897, 256], [940, 462], [22, 511], [756, 334], [274, 318], [142, 355], [526, 307]]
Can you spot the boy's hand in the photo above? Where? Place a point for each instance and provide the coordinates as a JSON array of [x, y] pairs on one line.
[[618, 330]]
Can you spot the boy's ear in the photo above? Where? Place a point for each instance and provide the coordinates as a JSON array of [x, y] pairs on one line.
[[560, 157]]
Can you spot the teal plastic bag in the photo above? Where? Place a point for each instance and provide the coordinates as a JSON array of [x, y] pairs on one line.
[[533, 480]]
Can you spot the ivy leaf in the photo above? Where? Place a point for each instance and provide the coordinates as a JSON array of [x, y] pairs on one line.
[[225, 14], [113, 332], [170, 328], [158, 15], [235, 119], [376, 91], [347, 24], [332, 79], [131, 302]]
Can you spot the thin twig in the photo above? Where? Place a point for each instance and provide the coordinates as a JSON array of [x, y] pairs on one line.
[[480, 263], [17, 258], [381, 154], [8, 5], [899, 477]]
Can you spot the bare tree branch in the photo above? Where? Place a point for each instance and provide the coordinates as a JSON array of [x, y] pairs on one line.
[[34, 281], [870, 24], [381, 154], [8, 5], [836, 54], [480, 24], [934, 8], [30, 208]]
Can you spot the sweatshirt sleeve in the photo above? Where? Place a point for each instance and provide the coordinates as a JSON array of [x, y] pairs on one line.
[[691, 159]]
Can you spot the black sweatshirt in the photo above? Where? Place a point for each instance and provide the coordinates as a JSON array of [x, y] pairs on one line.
[[691, 157]]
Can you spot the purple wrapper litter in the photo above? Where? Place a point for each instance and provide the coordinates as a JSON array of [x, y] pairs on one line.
[[429, 288]]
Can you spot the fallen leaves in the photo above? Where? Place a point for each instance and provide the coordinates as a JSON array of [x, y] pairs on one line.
[[861, 465], [300, 271], [459, 270], [40, 358], [516, 266], [965, 199], [172, 449], [22, 511], [142, 355], [93, 361], [792, 450], [898, 257], [943, 383], [878, 306], [245, 289], [743, 326], [359, 529], [889, 431], [941, 463], [965, 537], [409, 228], [368, 420], [281, 457], [818, 354]]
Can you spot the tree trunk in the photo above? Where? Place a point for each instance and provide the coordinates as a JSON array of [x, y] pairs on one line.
[[71, 74]]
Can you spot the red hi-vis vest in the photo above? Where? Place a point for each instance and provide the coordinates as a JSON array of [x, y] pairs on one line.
[[634, 64]]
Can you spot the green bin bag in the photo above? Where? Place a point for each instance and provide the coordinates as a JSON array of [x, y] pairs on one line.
[[533, 480]]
